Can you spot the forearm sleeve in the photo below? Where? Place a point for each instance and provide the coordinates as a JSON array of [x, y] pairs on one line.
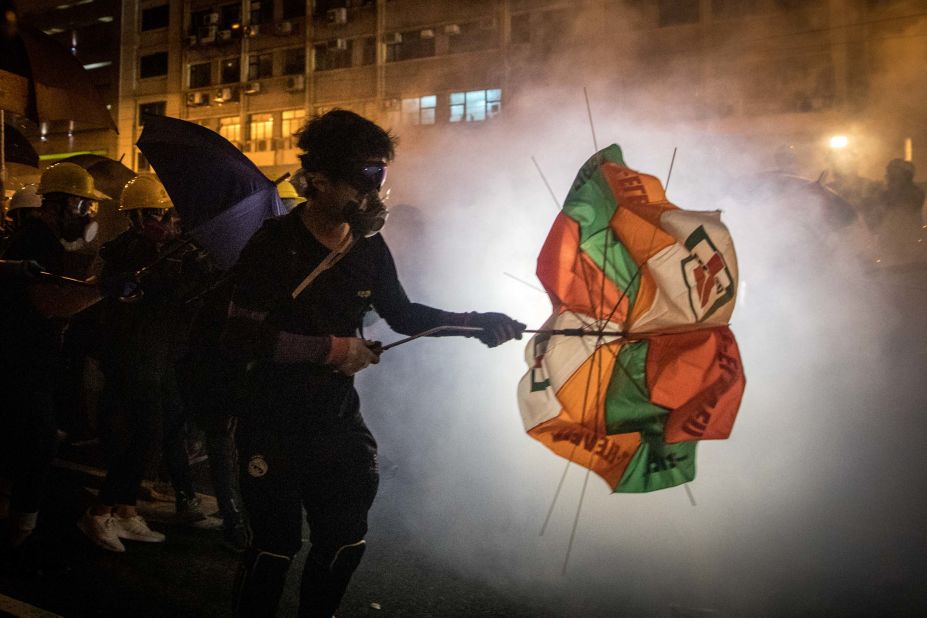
[[249, 337]]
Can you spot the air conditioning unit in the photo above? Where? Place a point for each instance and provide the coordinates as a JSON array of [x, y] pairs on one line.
[[254, 30], [392, 38], [284, 28], [339, 44], [427, 34], [226, 94], [252, 88], [197, 99], [337, 16], [190, 40], [208, 35], [225, 35], [452, 29], [296, 83], [211, 19]]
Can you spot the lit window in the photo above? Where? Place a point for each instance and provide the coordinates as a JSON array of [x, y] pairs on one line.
[[420, 110], [291, 121], [230, 129], [261, 131], [475, 106]]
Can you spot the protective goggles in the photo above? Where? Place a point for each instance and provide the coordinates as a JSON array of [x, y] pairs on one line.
[[364, 176], [85, 207], [374, 172]]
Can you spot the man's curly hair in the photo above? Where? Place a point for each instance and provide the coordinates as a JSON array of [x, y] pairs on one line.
[[337, 140]]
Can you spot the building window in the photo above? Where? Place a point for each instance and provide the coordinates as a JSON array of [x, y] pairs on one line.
[[153, 65], [294, 61], [675, 12], [260, 66], [294, 8], [369, 51], [154, 108], [230, 70], [230, 129], [334, 54], [291, 121], [420, 110], [409, 45], [472, 36], [734, 8], [230, 16], [155, 18], [261, 132], [201, 75], [262, 12], [199, 19], [521, 29], [475, 106]]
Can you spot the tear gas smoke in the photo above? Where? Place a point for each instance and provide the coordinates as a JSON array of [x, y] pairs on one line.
[[814, 505]]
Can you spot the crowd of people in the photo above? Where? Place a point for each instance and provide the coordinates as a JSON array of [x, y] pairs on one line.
[[260, 358]]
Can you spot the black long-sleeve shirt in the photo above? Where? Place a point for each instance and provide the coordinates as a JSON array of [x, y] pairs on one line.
[[273, 263]]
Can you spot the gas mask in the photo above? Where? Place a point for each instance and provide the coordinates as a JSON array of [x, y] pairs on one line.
[[368, 216], [158, 228], [78, 229]]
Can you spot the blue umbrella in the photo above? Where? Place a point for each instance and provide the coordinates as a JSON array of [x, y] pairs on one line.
[[221, 196]]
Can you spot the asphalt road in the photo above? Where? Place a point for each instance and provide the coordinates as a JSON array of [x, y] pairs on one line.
[[191, 574]]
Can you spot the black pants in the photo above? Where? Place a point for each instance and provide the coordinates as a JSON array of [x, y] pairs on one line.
[[333, 475], [141, 413], [29, 428]]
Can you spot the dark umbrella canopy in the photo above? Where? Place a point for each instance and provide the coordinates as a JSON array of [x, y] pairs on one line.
[[17, 149], [59, 86], [220, 194]]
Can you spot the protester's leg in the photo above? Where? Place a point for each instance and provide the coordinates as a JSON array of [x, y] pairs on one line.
[[342, 488], [269, 483], [175, 451], [33, 449], [223, 468]]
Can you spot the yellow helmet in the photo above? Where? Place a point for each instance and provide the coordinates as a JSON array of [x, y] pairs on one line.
[[27, 197], [288, 192], [71, 179], [144, 192]]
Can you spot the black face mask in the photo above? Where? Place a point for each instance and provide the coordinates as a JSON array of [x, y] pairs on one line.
[[368, 216]]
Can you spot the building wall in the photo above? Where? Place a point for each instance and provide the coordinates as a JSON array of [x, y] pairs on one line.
[[783, 71]]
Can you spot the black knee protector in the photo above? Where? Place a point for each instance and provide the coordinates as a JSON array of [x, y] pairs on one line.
[[326, 578], [259, 583]]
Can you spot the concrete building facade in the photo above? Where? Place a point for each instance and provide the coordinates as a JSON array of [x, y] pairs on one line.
[[785, 71]]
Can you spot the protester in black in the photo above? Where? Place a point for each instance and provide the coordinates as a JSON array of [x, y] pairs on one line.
[[36, 314], [303, 441]]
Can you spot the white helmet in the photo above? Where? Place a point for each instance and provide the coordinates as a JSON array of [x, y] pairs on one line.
[[27, 197]]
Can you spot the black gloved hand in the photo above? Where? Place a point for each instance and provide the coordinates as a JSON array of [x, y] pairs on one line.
[[497, 327]]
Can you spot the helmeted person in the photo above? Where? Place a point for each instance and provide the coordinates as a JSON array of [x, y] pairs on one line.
[[302, 441], [291, 199], [35, 317], [25, 203], [147, 275], [901, 228]]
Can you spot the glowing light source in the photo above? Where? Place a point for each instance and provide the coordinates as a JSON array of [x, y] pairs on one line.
[[98, 65], [839, 141]]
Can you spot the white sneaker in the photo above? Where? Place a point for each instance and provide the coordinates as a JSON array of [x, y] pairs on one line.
[[101, 529], [136, 529]]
